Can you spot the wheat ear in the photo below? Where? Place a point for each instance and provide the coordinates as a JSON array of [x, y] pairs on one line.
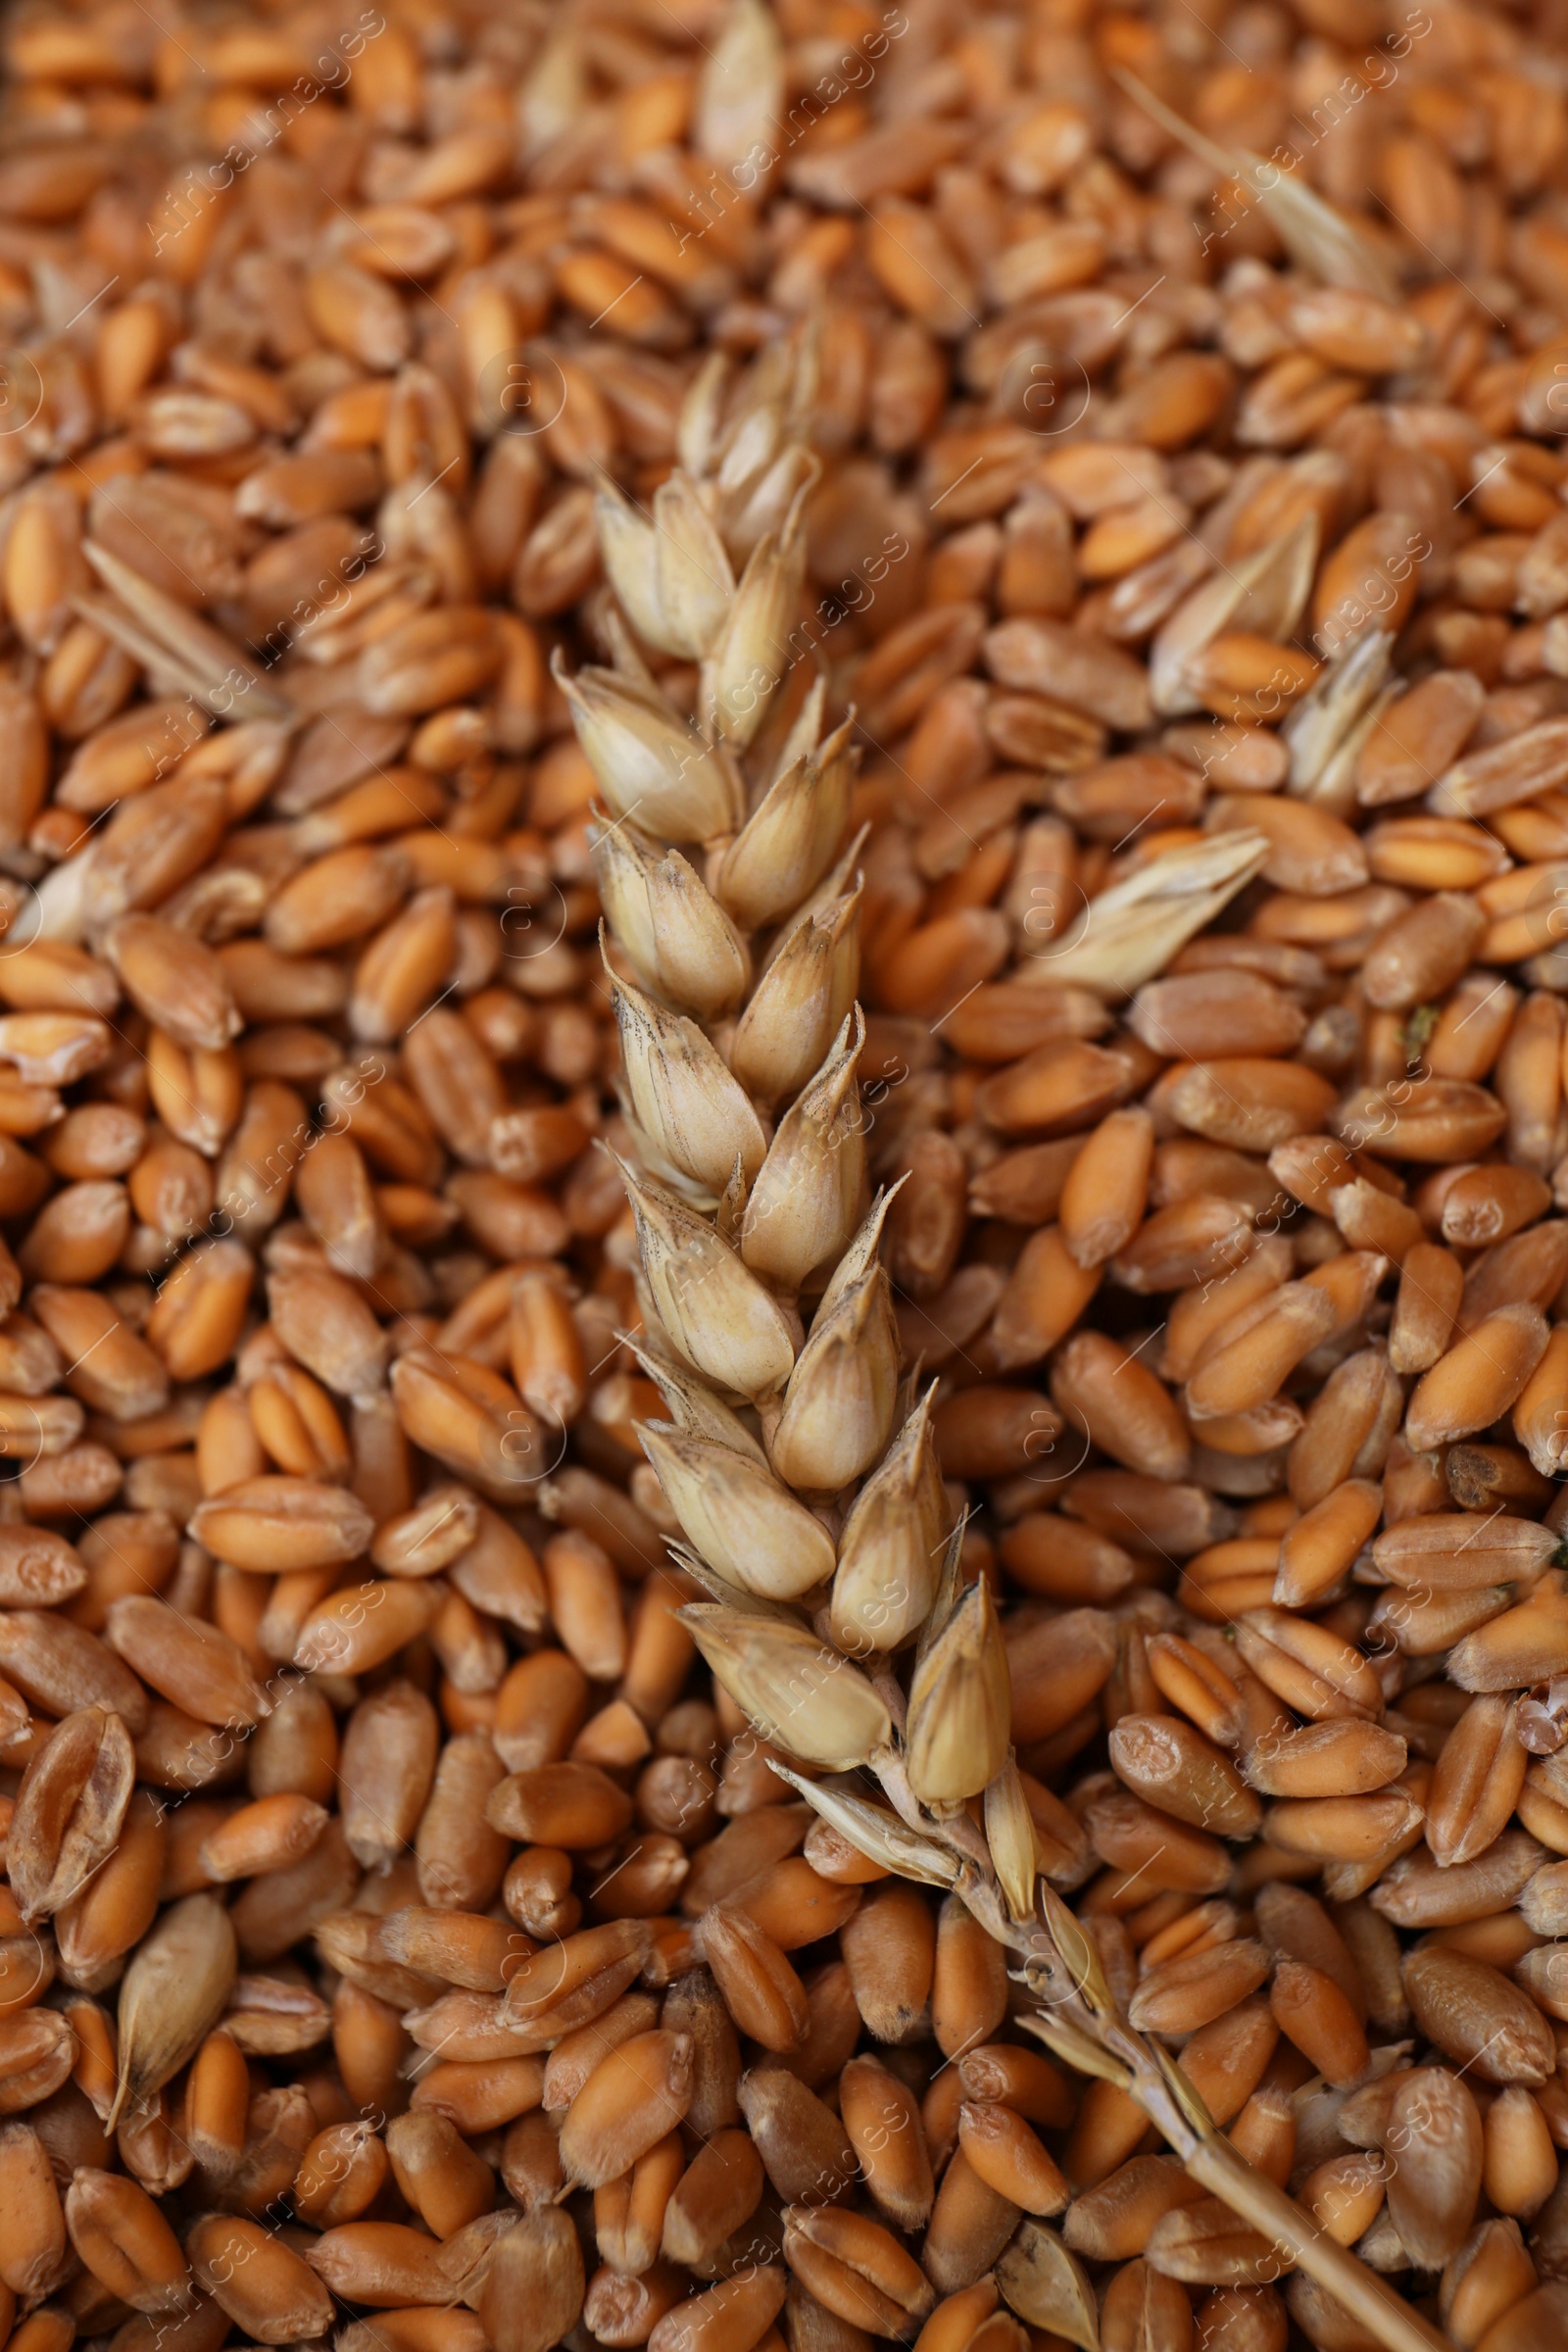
[[801, 1471]]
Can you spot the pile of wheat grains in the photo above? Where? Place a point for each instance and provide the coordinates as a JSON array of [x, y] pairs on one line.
[[404, 1939]]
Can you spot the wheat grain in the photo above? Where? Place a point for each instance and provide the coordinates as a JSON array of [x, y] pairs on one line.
[[302, 880]]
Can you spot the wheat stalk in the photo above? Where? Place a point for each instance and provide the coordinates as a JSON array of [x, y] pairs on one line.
[[801, 1471]]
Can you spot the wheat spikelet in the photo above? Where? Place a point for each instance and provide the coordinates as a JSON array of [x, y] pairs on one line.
[[799, 1463]]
